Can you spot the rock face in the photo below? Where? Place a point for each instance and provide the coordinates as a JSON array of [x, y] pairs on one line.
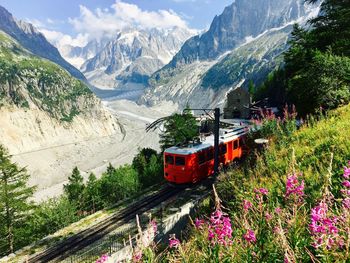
[[134, 55], [35, 42], [240, 20], [244, 43], [42, 104]]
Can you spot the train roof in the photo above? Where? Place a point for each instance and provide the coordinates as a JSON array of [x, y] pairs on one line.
[[226, 135]]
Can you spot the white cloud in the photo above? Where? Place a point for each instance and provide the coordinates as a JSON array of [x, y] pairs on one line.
[[59, 39], [97, 23]]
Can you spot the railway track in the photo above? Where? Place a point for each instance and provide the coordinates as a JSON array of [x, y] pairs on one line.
[[84, 238]]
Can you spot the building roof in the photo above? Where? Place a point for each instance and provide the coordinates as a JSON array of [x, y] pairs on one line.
[[226, 135]]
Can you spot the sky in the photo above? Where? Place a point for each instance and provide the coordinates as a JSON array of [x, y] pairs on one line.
[[77, 21]]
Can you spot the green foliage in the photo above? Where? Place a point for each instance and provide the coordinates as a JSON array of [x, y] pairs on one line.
[[118, 185], [47, 218], [326, 81], [316, 70], [92, 194], [75, 188], [15, 207], [179, 128], [149, 166]]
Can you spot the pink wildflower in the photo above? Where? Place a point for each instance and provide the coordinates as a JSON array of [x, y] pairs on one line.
[[323, 228], [262, 191], [268, 216], [294, 187], [250, 236], [199, 223], [247, 205], [220, 229], [346, 183], [346, 203], [102, 259], [347, 171], [174, 242], [137, 257], [278, 210]]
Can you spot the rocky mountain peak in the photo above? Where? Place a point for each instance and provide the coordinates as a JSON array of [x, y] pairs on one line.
[[32, 40]]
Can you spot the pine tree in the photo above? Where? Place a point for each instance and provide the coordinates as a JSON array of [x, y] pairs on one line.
[[179, 128], [75, 188], [92, 194], [15, 206]]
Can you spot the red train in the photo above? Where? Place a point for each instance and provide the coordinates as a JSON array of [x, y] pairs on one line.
[[195, 162]]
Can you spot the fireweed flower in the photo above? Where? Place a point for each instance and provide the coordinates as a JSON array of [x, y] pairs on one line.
[[278, 210], [346, 174], [247, 205], [262, 191], [294, 187], [346, 203], [174, 242], [102, 259], [199, 223], [220, 229], [268, 216], [346, 183], [137, 257], [250, 236], [323, 228]]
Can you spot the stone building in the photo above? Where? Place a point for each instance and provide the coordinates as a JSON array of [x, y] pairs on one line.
[[238, 104]]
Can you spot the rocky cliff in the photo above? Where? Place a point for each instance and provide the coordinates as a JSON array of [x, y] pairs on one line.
[[41, 104], [35, 42]]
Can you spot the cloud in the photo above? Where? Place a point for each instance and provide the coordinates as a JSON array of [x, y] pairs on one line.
[[60, 40], [120, 15]]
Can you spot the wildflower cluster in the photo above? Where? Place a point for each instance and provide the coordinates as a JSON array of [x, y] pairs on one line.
[[294, 188], [220, 229], [346, 190], [323, 228], [102, 259], [174, 242]]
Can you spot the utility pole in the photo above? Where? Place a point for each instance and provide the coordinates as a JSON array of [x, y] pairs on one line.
[[216, 140]]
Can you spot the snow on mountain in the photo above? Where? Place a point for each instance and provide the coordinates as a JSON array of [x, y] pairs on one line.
[[132, 56], [254, 33]]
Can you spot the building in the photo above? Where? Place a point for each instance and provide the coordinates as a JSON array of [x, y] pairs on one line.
[[238, 104]]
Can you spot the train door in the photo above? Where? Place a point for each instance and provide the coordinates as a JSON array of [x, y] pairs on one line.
[[235, 149], [202, 166], [230, 151]]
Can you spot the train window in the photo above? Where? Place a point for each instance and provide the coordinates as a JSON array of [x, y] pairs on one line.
[[235, 145], [210, 154], [169, 159], [223, 149], [180, 161], [201, 157]]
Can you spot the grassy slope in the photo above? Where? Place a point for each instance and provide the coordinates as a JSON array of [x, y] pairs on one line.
[[313, 146]]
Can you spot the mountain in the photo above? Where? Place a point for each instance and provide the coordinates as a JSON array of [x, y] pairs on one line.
[[239, 21], [244, 43], [77, 56], [41, 104], [35, 42], [133, 55]]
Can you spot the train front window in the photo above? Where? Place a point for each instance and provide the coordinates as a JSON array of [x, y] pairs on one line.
[[169, 159], [235, 145], [180, 161]]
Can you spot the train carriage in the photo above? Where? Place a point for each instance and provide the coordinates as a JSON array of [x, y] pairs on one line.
[[194, 162]]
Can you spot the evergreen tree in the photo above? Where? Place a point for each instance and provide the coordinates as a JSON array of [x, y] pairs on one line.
[[179, 128], [75, 188], [15, 206], [110, 169], [92, 194]]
